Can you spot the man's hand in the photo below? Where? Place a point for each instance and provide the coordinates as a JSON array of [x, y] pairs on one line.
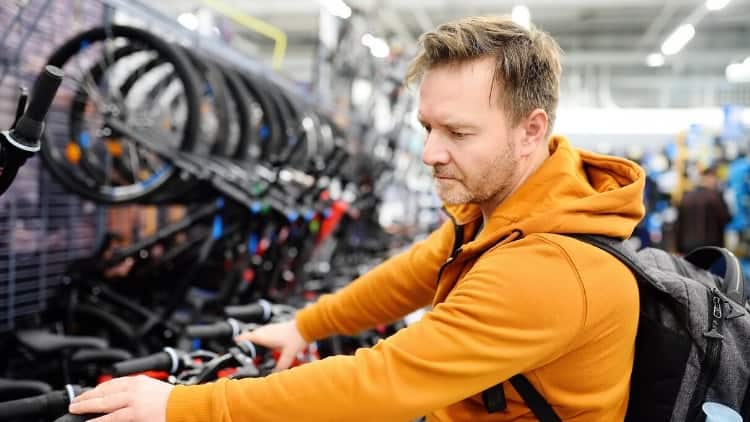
[[284, 336], [127, 399]]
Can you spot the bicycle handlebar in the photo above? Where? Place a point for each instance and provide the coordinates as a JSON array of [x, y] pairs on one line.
[[167, 360], [259, 312], [69, 417], [228, 328], [54, 402], [22, 140], [29, 128]]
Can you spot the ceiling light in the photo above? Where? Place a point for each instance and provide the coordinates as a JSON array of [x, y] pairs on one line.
[[716, 4], [337, 8], [367, 39], [679, 38], [738, 72], [733, 71], [522, 16], [378, 47], [380, 50], [188, 20], [655, 60]]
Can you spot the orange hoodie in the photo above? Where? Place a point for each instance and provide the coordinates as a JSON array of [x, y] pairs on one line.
[[516, 299]]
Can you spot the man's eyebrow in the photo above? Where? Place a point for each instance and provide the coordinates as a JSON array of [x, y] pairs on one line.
[[451, 124], [458, 124]]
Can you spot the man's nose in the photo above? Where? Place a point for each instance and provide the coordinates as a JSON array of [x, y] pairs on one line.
[[435, 152]]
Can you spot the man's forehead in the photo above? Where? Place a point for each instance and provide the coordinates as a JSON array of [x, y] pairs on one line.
[[472, 83], [452, 117]]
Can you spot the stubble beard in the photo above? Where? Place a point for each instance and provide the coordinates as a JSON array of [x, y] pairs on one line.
[[497, 179]]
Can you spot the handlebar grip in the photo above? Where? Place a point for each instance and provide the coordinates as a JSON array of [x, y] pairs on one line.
[[44, 92], [23, 407], [54, 402], [258, 312], [218, 329], [162, 361], [69, 417], [22, 388], [30, 125]]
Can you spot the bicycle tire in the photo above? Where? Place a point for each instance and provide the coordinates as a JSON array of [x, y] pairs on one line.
[[190, 82]]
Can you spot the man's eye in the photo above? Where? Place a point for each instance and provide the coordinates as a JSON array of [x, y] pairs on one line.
[[459, 135]]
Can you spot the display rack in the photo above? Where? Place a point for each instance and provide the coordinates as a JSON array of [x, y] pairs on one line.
[[42, 227]]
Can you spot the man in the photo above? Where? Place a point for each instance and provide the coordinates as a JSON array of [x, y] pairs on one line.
[[702, 215], [509, 295]]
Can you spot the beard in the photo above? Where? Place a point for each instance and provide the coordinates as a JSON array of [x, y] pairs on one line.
[[494, 178]]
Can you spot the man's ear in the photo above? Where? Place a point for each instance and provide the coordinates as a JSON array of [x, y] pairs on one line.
[[533, 131]]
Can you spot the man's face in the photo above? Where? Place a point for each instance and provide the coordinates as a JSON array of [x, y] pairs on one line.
[[469, 143], [710, 181]]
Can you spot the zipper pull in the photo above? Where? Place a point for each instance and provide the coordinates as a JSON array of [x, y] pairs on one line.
[[714, 333], [717, 306], [453, 256]]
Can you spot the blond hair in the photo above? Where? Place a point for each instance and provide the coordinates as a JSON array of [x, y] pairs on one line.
[[527, 61]]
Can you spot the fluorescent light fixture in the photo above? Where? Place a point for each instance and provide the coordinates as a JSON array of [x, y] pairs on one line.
[[188, 20], [716, 4], [337, 8], [733, 71], [678, 39], [378, 47], [655, 60], [380, 50], [738, 72], [522, 16], [367, 39]]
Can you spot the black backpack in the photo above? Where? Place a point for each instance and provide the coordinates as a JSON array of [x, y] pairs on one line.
[[693, 338]]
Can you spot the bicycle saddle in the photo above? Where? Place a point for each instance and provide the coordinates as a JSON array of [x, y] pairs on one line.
[[11, 389], [41, 341], [100, 355]]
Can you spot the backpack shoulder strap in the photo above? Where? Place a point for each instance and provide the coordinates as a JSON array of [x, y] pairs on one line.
[[494, 399], [536, 402], [617, 248]]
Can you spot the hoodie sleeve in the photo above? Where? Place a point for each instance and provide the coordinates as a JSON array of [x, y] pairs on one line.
[[391, 290], [490, 327]]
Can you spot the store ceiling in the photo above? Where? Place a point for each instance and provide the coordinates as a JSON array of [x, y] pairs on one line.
[[605, 42]]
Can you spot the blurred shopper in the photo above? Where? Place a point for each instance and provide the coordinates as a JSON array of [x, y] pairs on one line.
[[702, 215], [510, 294]]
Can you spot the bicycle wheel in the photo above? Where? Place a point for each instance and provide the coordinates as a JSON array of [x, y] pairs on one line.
[[64, 150], [124, 159], [215, 129], [247, 126], [273, 129]]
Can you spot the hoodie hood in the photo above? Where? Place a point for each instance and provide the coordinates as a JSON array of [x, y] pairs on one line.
[[573, 191]]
